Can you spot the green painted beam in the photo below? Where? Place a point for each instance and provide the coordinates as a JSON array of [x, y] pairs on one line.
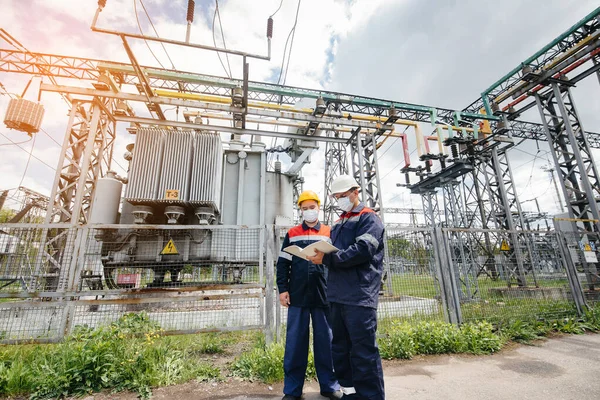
[[544, 49], [282, 90]]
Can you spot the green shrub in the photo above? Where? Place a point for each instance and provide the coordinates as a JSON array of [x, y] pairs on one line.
[[404, 340], [125, 355], [437, 338], [397, 342], [265, 363], [479, 338]]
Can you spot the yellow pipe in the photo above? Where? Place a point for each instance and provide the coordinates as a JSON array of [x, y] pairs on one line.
[[283, 123], [260, 104], [570, 52]]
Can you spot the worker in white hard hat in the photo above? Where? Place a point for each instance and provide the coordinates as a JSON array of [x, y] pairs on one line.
[[355, 274], [302, 289]]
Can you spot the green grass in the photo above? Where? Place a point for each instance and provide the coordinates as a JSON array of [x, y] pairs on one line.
[[488, 305], [129, 354], [425, 285]]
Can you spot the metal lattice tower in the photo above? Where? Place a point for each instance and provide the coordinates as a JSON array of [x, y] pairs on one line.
[[477, 215], [577, 172], [497, 175], [365, 169], [85, 157], [461, 252], [336, 164]]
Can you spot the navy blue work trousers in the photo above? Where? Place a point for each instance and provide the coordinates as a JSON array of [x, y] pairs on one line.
[[295, 360], [354, 350]]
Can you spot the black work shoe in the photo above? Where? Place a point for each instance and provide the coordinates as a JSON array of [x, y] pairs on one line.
[[337, 395], [290, 397]]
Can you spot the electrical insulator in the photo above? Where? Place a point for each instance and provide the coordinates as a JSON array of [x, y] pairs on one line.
[[495, 107], [101, 3], [190, 11], [454, 149], [428, 166], [270, 28]]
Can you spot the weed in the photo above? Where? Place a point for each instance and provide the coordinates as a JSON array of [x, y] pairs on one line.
[[128, 354]]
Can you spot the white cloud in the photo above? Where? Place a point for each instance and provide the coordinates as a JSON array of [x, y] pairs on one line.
[[412, 51]]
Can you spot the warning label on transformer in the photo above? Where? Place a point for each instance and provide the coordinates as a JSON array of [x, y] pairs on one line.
[[169, 248]]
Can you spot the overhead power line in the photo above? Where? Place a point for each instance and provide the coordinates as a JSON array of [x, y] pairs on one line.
[[291, 34], [287, 67], [15, 143], [223, 37], [27, 151], [215, 41], [156, 33], [278, 8], [142, 33]]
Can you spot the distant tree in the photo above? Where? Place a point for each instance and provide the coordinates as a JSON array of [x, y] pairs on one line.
[[6, 214]]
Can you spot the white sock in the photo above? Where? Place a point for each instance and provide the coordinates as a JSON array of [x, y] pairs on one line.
[[348, 390]]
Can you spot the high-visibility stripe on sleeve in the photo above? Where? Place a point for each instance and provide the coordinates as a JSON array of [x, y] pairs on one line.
[[287, 256], [367, 237]]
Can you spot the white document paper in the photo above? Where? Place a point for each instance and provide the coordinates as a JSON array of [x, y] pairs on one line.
[[309, 250]]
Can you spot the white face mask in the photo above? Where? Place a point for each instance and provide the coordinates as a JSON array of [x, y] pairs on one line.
[[310, 215], [345, 204]]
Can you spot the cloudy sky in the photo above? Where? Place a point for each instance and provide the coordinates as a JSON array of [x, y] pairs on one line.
[[431, 52]]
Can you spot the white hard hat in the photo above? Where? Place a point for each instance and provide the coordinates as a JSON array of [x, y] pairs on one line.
[[343, 183]]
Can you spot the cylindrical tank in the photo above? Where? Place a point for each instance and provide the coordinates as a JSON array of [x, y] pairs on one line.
[[105, 208], [280, 198]]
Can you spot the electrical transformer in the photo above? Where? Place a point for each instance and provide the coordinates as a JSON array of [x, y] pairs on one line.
[[186, 178]]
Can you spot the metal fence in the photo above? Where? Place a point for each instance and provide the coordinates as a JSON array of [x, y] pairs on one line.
[[216, 278]]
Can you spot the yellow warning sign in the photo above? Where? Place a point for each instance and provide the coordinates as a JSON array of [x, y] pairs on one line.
[[172, 194], [169, 248], [504, 246], [586, 247]]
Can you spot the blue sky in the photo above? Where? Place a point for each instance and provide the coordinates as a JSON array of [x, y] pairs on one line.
[[418, 51]]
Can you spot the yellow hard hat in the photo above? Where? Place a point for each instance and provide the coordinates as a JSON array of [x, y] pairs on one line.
[[308, 195]]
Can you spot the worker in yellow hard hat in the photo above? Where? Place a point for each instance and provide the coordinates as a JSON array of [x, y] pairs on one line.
[[302, 289]]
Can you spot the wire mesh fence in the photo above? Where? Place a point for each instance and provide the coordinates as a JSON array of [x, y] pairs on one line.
[[130, 257], [187, 279], [35, 257], [498, 281], [410, 290], [212, 278]]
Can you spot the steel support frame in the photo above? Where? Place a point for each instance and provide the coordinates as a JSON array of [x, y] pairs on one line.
[[460, 249], [365, 169], [336, 164], [574, 163], [16, 61], [504, 205], [441, 260], [86, 156], [477, 215]]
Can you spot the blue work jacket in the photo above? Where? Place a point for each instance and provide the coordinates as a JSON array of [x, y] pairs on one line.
[[306, 282], [356, 270]]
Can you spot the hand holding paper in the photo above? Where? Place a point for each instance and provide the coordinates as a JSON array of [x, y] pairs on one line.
[[322, 246]]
